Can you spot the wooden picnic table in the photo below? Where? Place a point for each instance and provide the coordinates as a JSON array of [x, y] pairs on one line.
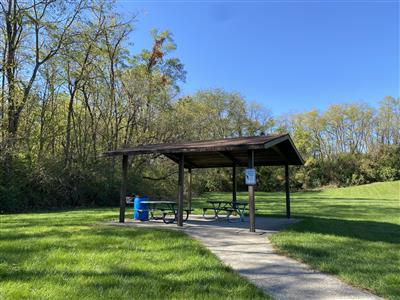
[[230, 207], [166, 208]]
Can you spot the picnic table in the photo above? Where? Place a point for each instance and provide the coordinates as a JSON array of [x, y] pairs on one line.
[[230, 207], [168, 210]]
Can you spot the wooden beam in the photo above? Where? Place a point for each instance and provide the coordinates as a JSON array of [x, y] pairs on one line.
[[250, 165], [287, 188], [190, 164], [229, 156], [185, 148], [181, 190], [234, 185], [175, 158], [276, 141], [190, 189], [280, 153], [124, 182]]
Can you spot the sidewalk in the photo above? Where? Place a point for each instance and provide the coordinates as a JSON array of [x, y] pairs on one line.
[[252, 255]]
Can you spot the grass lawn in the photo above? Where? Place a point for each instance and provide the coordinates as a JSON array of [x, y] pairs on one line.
[[353, 233], [69, 255]]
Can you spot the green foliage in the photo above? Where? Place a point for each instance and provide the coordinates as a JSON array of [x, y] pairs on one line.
[[53, 187], [90, 95]]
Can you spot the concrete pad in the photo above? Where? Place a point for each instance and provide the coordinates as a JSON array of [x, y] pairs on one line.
[[252, 255]]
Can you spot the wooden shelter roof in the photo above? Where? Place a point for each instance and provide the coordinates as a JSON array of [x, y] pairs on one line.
[[269, 150]]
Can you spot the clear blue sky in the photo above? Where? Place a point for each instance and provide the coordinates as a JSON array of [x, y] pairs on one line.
[[290, 56]]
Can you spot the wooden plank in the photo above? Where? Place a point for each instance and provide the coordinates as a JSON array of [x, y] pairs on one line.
[[280, 153], [252, 217], [226, 165], [181, 190], [162, 150], [124, 182], [229, 156], [175, 158], [276, 141], [287, 188]]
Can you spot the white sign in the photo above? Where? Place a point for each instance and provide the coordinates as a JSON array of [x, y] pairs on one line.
[[250, 176]]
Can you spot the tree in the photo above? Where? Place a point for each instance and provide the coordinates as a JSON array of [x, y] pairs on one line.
[[31, 23]]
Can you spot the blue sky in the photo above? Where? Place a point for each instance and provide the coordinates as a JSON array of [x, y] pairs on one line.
[[290, 56]]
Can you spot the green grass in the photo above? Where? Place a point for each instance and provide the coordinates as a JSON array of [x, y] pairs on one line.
[[70, 255], [353, 233]]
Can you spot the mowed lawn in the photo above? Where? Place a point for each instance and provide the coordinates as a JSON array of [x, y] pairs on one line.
[[353, 233], [71, 255]]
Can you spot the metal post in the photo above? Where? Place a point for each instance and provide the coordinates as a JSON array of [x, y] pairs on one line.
[[190, 189], [122, 198], [234, 186], [250, 164], [181, 190], [287, 188]]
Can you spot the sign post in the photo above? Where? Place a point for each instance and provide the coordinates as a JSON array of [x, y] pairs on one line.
[[251, 182]]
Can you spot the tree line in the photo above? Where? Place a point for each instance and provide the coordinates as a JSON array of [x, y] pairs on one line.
[[71, 89]]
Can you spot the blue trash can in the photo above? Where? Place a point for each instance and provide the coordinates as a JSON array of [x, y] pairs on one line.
[[138, 205]]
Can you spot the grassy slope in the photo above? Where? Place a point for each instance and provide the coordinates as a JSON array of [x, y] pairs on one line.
[[64, 256], [353, 232]]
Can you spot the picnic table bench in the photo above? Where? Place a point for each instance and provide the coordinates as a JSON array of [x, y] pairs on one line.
[[230, 207]]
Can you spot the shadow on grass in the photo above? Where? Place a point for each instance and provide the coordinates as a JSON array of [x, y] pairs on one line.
[[359, 229]]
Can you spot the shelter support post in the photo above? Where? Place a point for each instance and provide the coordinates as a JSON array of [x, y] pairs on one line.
[[287, 188], [181, 190], [234, 186], [252, 218], [190, 189], [122, 199]]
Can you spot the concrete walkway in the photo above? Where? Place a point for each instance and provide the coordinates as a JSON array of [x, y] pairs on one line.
[[252, 255]]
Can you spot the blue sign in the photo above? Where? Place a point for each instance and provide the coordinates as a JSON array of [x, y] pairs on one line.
[[250, 176]]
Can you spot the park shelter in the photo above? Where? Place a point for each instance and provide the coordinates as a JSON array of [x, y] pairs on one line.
[[250, 152]]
